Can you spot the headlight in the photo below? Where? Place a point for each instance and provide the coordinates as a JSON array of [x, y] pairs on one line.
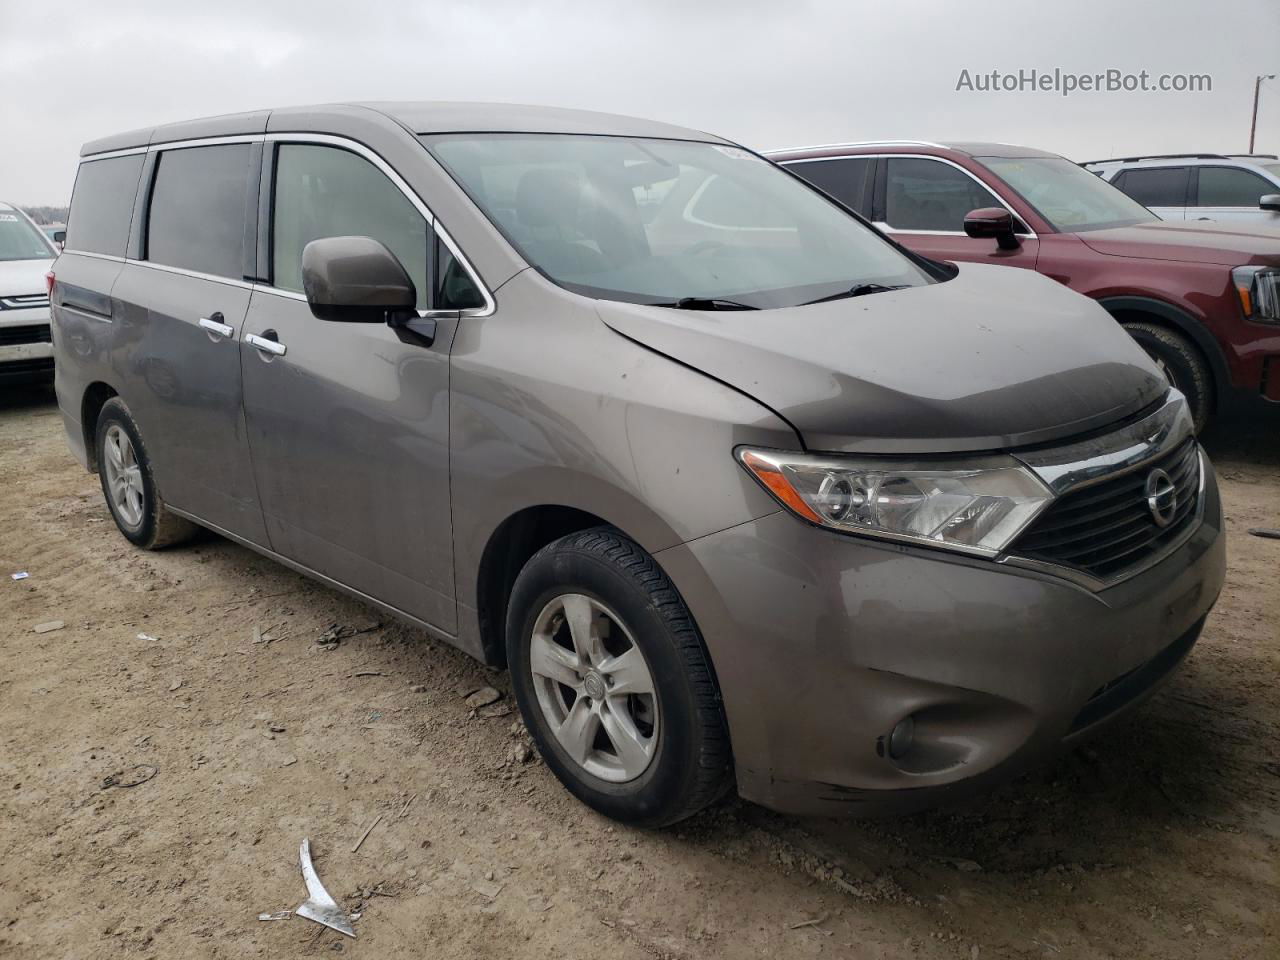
[[976, 506], [1259, 290]]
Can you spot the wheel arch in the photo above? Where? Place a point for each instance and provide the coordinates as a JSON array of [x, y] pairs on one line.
[[1150, 310], [508, 549], [95, 397]]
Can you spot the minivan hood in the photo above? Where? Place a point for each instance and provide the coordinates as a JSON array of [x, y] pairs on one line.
[[997, 357], [21, 278], [1207, 241]]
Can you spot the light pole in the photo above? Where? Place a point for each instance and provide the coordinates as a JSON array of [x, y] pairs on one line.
[[1257, 88]]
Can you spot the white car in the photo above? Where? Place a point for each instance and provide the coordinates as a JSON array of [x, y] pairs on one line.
[[26, 254], [1202, 186]]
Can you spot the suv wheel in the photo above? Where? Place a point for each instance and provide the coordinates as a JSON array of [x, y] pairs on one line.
[[1181, 362], [128, 483], [614, 683]]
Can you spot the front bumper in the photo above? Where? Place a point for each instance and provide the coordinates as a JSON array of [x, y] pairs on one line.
[[26, 348], [823, 642]]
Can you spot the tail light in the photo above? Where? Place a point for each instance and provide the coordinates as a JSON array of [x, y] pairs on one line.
[[50, 280]]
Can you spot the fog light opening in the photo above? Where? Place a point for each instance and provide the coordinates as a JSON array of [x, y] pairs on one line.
[[902, 738]]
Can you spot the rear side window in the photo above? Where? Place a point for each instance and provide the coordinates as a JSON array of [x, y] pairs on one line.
[[102, 205], [846, 179], [1231, 187], [930, 195], [1157, 186], [196, 220], [325, 191]]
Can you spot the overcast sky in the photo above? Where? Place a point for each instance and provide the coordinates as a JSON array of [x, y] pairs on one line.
[[767, 73]]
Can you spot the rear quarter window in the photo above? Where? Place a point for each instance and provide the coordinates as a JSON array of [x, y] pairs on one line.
[[102, 205], [197, 213]]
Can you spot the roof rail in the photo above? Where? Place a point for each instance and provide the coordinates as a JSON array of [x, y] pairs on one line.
[[858, 143], [1162, 156], [1254, 156]]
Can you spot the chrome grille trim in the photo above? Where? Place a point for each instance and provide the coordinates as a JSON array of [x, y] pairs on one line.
[[1103, 528]]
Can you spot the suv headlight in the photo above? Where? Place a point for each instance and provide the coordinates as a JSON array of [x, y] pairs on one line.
[[1259, 290], [976, 506]]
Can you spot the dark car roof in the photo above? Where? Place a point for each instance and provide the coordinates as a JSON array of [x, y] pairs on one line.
[[930, 147], [421, 116]]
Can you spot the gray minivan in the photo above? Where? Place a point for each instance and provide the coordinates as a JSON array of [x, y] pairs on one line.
[[744, 494]]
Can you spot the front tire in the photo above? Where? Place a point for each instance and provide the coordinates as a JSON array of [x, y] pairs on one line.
[[129, 485], [614, 682], [1182, 363]]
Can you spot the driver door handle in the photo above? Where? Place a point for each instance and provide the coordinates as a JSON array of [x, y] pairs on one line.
[[267, 344], [214, 324]]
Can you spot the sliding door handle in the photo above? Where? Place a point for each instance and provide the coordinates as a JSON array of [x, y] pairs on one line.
[[215, 325], [267, 344]]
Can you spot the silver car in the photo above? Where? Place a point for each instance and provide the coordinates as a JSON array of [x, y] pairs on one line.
[[744, 494], [1200, 186], [26, 254]]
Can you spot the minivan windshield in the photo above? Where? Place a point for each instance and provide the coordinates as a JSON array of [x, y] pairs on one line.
[[19, 240], [1071, 198], [669, 222]]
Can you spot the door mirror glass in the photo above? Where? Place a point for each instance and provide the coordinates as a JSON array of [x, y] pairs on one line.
[[1270, 202], [356, 280], [995, 223]]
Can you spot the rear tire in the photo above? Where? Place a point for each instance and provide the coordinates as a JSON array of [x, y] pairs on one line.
[[129, 485], [614, 682], [1182, 363]]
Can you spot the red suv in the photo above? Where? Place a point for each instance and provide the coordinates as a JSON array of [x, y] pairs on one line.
[[1203, 299]]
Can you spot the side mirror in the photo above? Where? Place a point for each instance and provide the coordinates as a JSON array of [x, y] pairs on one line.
[[992, 223], [356, 280], [1270, 202], [60, 236]]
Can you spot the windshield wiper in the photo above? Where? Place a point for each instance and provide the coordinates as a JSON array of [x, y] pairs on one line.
[[705, 303], [857, 290]]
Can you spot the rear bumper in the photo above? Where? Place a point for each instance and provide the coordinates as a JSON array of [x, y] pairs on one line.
[[823, 643]]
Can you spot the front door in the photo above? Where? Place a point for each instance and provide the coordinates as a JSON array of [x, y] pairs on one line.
[[349, 422], [181, 309], [1230, 193], [923, 206]]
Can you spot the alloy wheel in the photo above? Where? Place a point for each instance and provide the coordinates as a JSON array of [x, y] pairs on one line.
[[594, 687], [124, 476]]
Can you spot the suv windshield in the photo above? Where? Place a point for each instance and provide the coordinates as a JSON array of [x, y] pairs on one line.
[[1070, 197], [19, 240], [668, 221]]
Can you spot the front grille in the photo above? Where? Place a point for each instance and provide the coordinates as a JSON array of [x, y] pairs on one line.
[[24, 302], [28, 333], [1107, 527]]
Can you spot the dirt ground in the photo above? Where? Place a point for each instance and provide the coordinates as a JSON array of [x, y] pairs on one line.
[[1161, 841]]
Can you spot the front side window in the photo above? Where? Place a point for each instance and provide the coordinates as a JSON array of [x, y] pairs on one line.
[[845, 178], [925, 194], [658, 221], [19, 240], [323, 191], [1067, 195], [1230, 187], [102, 205], [197, 212]]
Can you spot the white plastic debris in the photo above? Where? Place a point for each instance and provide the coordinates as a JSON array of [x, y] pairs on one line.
[[20, 575], [319, 906]]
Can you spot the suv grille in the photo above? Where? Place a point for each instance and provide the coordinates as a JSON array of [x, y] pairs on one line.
[[29, 333], [1108, 526]]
